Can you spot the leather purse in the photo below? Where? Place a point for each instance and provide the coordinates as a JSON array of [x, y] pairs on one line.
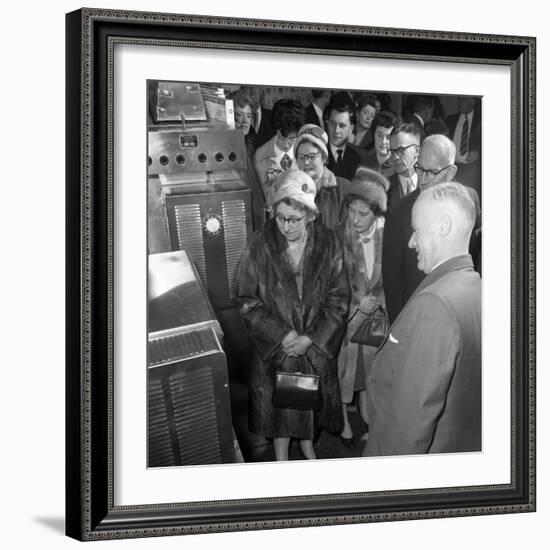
[[373, 330], [296, 390]]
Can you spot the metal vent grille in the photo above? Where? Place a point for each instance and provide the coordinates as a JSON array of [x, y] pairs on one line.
[[234, 220], [161, 452], [189, 228], [189, 177], [194, 405], [170, 349]]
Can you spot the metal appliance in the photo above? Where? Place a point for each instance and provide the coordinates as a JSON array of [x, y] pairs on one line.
[[207, 203], [189, 413]]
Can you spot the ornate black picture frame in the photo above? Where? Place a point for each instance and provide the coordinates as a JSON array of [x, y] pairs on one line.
[[90, 509]]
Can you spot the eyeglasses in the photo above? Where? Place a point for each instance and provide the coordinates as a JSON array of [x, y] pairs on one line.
[[309, 157], [292, 222], [422, 171], [400, 151]]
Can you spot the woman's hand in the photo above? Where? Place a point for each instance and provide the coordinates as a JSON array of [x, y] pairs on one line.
[[290, 337], [298, 346], [368, 304]]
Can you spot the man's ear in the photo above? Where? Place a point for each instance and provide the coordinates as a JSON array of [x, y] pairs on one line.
[[445, 225], [452, 172]]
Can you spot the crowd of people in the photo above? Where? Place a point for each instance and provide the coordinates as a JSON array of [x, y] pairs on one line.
[[358, 215]]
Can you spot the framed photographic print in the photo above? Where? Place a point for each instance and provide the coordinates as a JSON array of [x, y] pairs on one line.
[[195, 147]]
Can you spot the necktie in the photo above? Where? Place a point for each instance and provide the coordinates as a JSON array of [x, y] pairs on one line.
[[286, 162], [340, 153], [410, 186], [464, 137]]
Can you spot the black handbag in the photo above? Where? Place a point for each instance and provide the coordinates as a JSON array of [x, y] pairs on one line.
[[373, 330], [297, 390]]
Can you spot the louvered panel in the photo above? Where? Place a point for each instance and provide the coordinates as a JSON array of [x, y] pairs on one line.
[[161, 452], [235, 235], [187, 178], [194, 403], [189, 229], [181, 346]]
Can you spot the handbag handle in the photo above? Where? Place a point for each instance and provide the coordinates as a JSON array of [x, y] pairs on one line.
[[308, 360]]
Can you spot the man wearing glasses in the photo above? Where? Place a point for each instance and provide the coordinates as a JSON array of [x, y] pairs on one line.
[[404, 150], [343, 157], [400, 273]]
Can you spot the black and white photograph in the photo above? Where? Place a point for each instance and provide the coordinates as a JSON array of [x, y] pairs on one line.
[[314, 273], [221, 332], [300, 274]]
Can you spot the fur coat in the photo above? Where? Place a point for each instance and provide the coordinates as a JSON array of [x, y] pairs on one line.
[[271, 307]]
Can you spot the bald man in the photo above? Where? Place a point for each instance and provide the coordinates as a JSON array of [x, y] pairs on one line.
[[424, 391], [400, 275]]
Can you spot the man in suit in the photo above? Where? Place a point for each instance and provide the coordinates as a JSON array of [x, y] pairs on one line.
[[314, 111], [277, 154], [465, 130], [343, 157], [404, 150], [400, 274], [424, 391]]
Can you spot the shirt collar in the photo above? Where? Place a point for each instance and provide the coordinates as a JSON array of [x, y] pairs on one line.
[[318, 110], [419, 118], [405, 181], [334, 150], [279, 153]]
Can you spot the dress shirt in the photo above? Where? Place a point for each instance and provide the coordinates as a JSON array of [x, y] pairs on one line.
[[335, 151], [279, 154], [408, 183]]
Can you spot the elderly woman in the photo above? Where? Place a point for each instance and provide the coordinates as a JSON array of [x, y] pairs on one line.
[[293, 294], [311, 155], [361, 235]]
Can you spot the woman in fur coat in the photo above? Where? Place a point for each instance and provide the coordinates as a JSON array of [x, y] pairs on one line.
[[361, 235], [293, 294]]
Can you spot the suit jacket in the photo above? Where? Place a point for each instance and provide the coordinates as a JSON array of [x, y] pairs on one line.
[[353, 157], [311, 116], [400, 273], [424, 391], [265, 160], [395, 194]]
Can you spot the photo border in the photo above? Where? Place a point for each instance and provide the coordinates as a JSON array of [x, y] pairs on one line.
[[91, 37]]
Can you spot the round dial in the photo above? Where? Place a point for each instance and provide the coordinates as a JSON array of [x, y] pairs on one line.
[[212, 224]]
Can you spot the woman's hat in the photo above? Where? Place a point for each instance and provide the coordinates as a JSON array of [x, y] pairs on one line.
[[369, 186], [314, 134], [297, 185]]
